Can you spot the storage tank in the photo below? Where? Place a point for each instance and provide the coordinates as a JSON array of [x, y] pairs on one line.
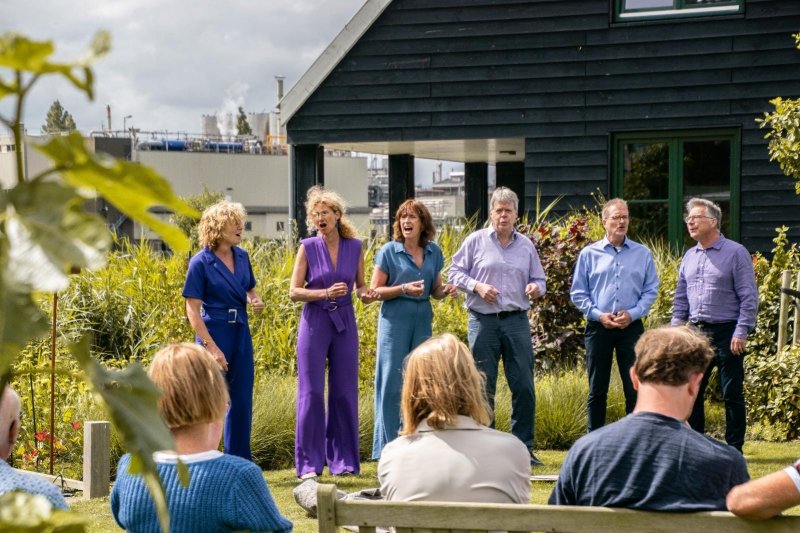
[[209, 127], [259, 123]]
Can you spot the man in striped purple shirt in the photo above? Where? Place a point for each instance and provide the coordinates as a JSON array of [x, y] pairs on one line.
[[716, 292]]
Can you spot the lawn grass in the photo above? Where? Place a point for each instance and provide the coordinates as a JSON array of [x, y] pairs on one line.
[[762, 458]]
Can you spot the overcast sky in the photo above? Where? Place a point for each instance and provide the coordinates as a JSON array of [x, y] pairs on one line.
[[173, 61]]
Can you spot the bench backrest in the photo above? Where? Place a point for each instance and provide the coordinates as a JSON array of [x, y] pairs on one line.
[[407, 517]]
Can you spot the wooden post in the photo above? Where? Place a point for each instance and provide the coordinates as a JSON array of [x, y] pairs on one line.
[[796, 328], [96, 459], [326, 509], [783, 317]]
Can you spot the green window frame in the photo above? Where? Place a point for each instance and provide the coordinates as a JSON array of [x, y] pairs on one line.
[[635, 10], [658, 172]]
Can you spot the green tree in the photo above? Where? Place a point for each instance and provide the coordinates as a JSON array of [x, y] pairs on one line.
[[242, 126], [199, 202], [58, 120], [45, 234], [784, 134]]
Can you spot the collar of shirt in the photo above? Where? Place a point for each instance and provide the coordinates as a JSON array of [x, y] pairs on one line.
[[605, 242], [398, 248], [716, 245], [493, 234], [462, 422]]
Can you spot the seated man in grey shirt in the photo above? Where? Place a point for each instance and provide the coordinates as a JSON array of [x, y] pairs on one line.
[[652, 459]]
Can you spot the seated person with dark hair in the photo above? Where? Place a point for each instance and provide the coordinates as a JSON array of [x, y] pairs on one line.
[[225, 492], [767, 496], [652, 459], [13, 480]]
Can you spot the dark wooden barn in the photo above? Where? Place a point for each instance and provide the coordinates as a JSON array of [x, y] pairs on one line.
[[651, 100]]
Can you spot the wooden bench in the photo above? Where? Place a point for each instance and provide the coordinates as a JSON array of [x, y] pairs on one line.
[[441, 517]]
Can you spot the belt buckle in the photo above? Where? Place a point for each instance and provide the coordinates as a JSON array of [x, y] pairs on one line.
[[235, 313], [334, 306]]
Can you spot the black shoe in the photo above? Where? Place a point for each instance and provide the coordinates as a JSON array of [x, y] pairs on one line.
[[535, 461]]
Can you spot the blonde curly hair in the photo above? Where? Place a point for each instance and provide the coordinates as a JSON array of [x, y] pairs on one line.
[[214, 220], [319, 195]]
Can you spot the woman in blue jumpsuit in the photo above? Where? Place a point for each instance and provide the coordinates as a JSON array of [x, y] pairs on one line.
[[407, 274], [218, 287]]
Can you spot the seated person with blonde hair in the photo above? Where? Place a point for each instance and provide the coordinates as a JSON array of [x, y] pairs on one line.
[[225, 492], [446, 451]]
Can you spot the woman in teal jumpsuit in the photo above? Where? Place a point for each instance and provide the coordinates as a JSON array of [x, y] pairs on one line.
[[407, 274]]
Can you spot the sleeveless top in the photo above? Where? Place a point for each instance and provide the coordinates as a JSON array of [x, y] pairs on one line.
[[320, 274]]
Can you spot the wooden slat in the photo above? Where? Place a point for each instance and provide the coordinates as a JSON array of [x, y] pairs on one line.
[[563, 519]]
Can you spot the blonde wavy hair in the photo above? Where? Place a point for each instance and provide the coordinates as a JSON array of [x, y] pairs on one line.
[[319, 195], [440, 382], [194, 388], [214, 220]]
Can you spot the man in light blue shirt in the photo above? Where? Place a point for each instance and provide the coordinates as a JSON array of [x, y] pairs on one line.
[[500, 271], [12, 480], [614, 285]]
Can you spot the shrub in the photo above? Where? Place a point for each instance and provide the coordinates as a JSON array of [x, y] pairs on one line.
[[557, 325], [773, 392]]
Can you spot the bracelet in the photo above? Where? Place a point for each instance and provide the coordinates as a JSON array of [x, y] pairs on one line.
[[327, 297], [403, 288]]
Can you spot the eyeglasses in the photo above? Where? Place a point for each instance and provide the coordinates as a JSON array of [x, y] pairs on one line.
[[693, 218], [618, 218]]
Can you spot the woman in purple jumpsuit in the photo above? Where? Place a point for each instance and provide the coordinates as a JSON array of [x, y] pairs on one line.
[[326, 268]]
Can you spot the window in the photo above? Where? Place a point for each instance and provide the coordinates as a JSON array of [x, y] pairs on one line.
[[625, 10], [657, 173], [248, 226], [279, 226]]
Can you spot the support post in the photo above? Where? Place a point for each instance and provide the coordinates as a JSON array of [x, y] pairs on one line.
[[96, 459], [783, 316], [512, 175], [308, 169], [796, 329], [476, 186], [401, 183], [326, 509]]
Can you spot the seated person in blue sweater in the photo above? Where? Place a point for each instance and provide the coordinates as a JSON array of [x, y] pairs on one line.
[[225, 493], [12, 480], [652, 459]]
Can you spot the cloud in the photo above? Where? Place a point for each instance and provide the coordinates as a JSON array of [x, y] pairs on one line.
[[171, 61]]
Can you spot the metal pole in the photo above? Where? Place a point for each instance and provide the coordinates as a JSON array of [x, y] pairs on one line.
[[53, 381]]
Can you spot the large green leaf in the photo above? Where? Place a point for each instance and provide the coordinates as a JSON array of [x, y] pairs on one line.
[[132, 402], [50, 235], [132, 188], [20, 321], [21, 511], [21, 54]]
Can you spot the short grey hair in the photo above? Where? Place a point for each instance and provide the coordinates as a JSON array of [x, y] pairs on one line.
[[713, 210], [611, 203], [504, 195]]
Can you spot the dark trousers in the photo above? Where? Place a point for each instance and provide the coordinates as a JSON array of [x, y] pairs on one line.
[[601, 343], [731, 378], [490, 338]]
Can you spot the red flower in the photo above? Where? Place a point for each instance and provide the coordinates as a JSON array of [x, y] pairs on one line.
[[43, 436], [30, 456], [76, 425]]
